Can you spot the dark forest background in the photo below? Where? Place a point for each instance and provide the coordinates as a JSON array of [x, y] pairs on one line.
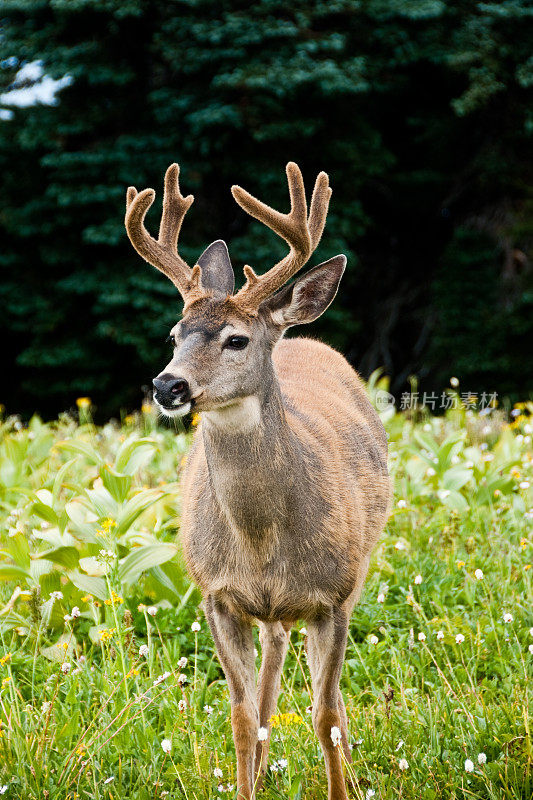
[[421, 111]]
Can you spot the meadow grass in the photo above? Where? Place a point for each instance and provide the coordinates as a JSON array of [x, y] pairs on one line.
[[109, 685]]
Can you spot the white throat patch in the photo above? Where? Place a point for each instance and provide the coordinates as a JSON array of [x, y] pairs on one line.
[[239, 416]]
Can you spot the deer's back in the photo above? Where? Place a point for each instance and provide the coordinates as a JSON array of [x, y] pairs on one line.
[[326, 404]]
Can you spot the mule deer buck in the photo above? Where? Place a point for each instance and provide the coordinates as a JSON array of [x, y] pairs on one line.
[[286, 488]]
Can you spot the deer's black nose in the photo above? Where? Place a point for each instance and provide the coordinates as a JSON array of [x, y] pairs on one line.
[[169, 390]]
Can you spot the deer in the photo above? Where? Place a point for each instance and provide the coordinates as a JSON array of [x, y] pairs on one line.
[[285, 490]]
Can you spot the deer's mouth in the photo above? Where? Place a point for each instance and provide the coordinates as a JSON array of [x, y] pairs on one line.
[[178, 410]]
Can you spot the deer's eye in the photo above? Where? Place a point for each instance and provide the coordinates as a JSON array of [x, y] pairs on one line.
[[237, 342], [170, 338]]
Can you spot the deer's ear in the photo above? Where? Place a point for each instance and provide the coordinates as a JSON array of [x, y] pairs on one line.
[[217, 272], [309, 296]]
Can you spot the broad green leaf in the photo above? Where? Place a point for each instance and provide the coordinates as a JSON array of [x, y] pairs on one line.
[[117, 485], [134, 508], [81, 518], [58, 481], [456, 477], [102, 503], [89, 584], [454, 500], [19, 550], [10, 572], [134, 454], [82, 448], [46, 512], [62, 650], [64, 556], [92, 566], [143, 558]]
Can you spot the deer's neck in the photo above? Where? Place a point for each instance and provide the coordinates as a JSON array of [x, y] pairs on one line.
[[250, 456]]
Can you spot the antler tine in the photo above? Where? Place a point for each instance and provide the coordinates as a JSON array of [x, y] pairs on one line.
[[161, 253], [301, 233]]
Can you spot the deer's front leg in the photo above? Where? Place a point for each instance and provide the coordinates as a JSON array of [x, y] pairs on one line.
[[274, 638], [327, 643], [235, 647]]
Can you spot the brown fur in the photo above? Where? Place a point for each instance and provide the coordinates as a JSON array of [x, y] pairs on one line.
[[286, 490]]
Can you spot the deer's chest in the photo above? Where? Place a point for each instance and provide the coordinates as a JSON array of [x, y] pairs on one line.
[[277, 562]]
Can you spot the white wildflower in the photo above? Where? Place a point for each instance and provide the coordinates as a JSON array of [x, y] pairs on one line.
[[4, 788], [479, 574], [108, 780], [166, 745], [208, 710], [469, 765], [399, 545], [217, 772], [369, 793], [530, 648], [65, 667], [67, 617], [524, 484], [481, 758], [262, 734], [418, 580], [508, 617], [443, 494], [46, 706], [399, 745], [182, 663], [402, 503], [152, 610], [381, 597], [283, 763], [182, 679], [195, 627], [440, 635], [459, 638], [336, 736], [403, 764], [430, 472], [303, 631], [75, 612], [182, 705], [421, 637], [373, 639], [56, 596], [144, 651]]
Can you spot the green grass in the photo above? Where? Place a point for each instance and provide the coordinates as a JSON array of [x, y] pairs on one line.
[[69, 490]]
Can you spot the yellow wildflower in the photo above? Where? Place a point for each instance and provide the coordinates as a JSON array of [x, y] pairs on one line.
[[277, 720], [195, 419], [460, 564], [83, 402], [523, 543], [108, 523], [141, 607], [86, 598], [5, 681], [106, 634], [80, 750], [527, 566], [132, 673], [146, 408], [5, 658], [183, 461], [129, 419], [115, 599]]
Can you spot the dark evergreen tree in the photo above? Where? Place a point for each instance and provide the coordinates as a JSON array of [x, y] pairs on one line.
[[420, 110]]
